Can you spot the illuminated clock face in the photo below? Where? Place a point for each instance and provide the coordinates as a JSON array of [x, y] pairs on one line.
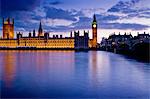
[[94, 25]]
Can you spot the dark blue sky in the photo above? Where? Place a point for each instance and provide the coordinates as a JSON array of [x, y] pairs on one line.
[[66, 15]]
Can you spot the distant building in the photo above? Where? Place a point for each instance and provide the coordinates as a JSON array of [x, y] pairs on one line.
[[142, 36], [8, 28], [123, 41], [119, 38], [115, 40]]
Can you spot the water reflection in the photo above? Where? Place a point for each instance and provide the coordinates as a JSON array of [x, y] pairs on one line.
[[9, 69], [93, 70], [54, 74]]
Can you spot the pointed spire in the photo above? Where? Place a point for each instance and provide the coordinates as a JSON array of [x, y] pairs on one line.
[[3, 20], [40, 27], [34, 33], [94, 18], [13, 21], [40, 32], [8, 20], [71, 34]]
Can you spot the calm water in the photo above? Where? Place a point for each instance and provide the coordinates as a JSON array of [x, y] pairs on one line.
[[67, 74]]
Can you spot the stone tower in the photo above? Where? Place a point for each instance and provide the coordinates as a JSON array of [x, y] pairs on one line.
[[8, 28], [94, 32]]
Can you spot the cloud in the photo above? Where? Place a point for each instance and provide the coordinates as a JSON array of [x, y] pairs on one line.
[[56, 22], [124, 6], [123, 26], [60, 29], [133, 20], [105, 22], [90, 12], [8, 6], [131, 8], [107, 17], [55, 13], [123, 12], [55, 3], [83, 23], [27, 26], [131, 12], [141, 13], [119, 16]]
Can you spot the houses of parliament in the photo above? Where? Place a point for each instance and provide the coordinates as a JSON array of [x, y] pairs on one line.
[[44, 41]]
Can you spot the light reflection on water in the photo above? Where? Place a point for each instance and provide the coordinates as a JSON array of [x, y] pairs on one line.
[[90, 74]]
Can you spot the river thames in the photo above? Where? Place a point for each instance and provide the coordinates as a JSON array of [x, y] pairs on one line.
[[69, 74]]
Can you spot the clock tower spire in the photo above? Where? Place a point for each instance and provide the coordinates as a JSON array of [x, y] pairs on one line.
[[94, 32]]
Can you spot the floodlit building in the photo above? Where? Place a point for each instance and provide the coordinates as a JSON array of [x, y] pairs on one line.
[[8, 28], [43, 40]]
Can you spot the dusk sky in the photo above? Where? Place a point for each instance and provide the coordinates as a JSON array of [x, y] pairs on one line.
[[66, 15]]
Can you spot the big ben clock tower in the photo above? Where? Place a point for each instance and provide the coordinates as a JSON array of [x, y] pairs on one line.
[[94, 32]]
